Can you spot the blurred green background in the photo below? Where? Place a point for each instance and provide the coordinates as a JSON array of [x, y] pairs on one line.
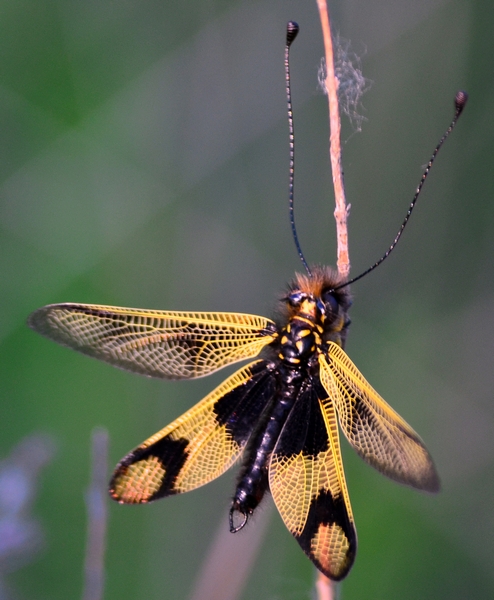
[[143, 162]]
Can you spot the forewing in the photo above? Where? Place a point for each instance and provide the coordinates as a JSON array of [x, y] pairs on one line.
[[198, 446], [166, 344], [379, 435], [308, 485]]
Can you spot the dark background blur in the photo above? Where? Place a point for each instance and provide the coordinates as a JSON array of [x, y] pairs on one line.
[[143, 162]]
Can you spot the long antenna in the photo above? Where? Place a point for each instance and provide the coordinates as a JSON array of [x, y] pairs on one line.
[[292, 29], [460, 101]]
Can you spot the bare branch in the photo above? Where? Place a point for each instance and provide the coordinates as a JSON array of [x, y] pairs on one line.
[[331, 82], [325, 588]]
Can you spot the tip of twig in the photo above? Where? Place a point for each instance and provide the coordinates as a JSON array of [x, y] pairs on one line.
[[291, 32]]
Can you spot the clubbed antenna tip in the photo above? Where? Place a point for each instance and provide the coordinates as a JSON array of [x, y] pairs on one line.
[[460, 101], [291, 32]]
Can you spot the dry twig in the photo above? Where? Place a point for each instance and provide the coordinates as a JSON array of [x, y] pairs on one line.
[[331, 82], [325, 588]]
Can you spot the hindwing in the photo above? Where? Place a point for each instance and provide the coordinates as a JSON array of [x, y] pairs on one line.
[[378, 434], [307, 481], [198, 446], [166, 344]]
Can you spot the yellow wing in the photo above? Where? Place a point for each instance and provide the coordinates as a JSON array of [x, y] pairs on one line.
[[166, 344], [198, 446], [379, 435], [307, 481]]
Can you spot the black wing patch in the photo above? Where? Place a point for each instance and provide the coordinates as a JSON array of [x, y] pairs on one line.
[[201, 444], [308, 483]]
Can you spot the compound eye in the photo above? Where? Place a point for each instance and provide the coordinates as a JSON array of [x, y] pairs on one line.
[[331, 305], [296, 298]]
